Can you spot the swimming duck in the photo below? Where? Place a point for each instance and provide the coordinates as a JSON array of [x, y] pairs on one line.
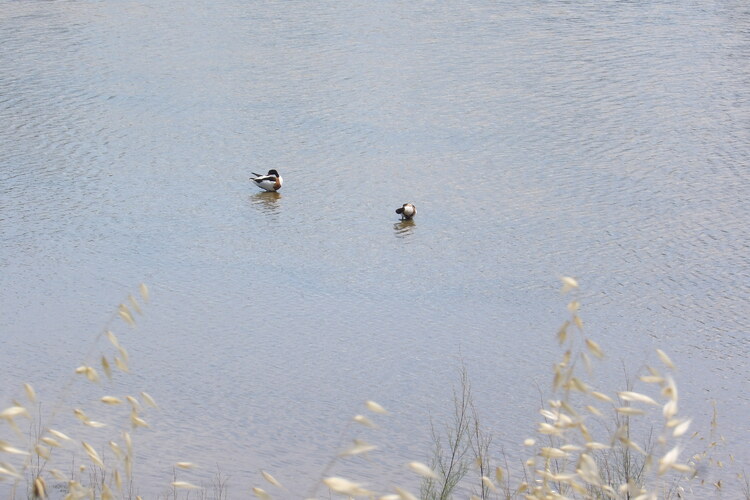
[[407, 211], [271, 182]]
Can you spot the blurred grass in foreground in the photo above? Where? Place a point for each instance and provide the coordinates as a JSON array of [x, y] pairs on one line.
[[584, 446]]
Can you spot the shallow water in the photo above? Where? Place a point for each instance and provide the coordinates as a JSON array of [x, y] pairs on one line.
[[604, 141]]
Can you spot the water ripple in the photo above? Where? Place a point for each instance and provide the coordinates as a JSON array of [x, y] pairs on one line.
[[608, 141]]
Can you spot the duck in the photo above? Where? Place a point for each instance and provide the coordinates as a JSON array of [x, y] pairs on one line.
[[270, 182], [407, 211]]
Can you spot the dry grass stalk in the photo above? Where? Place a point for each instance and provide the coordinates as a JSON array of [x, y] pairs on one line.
[[572, 461], [39, 451], [568, 459]]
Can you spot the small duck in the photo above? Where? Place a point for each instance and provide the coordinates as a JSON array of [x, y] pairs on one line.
[[407, 211], [270, 182]]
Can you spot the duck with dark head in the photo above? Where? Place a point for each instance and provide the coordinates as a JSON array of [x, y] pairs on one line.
[[270, 182], [407, 211]]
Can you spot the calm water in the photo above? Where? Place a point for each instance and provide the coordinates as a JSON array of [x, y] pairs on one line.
[[604, 140]]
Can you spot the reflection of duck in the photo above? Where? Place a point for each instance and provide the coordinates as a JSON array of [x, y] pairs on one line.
[[407, 211], [270, 182], [267, 201], [404, 228]]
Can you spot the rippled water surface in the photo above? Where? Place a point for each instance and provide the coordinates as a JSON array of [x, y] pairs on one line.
[[604, 140]]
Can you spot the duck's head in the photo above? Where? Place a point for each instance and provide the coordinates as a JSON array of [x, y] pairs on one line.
[[273, 172]]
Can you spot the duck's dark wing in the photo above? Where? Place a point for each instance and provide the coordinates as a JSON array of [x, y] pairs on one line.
[[262, 178]]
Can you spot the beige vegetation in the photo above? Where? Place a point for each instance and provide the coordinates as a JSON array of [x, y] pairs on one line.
[[584, 445]]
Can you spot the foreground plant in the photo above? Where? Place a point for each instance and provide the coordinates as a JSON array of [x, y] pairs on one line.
[[568, 453], [584, 446], [109, 472]]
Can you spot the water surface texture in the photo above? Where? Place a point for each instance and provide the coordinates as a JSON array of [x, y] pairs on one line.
[[604, 140]]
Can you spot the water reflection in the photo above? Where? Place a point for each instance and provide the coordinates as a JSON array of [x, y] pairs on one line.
[[267, 202], [404, 228]]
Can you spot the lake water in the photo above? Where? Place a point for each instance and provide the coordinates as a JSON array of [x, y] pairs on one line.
[[604, 140]]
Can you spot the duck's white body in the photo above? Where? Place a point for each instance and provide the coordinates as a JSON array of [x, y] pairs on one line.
[[270, 182], [407, 211]]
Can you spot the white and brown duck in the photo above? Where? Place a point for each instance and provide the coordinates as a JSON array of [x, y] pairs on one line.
[[270, 182]]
